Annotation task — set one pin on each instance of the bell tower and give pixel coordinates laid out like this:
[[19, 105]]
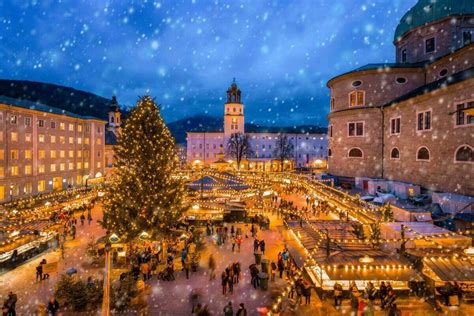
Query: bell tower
[[233, 111], [114, 124]]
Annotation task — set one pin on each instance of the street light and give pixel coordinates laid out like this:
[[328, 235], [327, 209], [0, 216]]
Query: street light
[[106, 299]]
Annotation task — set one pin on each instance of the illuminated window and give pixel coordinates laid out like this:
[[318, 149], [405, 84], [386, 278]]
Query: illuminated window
[[28, 170], [2, 192], [86, 165], [62, 166], [71, 166], [79, 140], [53, 167], [86, 140], [28, 154], [28, 188], [52, 153], [28, 137], [62, 126], [78, 179], [99, 165], [41, 154], [71, 127], [79, 128], [357, 98], [62, 153], [14, 170], [79, 154], [14, 190], [2, 154], [53, 139], [14, 154], [2, 172], [14, 136], [99, 141], [71, 154], [41, 168], [41, 186], [79, 165], [41, 138], [462, 118], [71, 140]]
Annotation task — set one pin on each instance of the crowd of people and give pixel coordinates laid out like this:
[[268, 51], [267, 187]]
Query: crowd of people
[[364, 301]]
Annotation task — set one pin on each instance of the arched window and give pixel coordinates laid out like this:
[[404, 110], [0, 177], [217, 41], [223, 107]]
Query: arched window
[[357, 98], [423, 154], [465, 153], [355, 153], [395, 153], [329, 152]]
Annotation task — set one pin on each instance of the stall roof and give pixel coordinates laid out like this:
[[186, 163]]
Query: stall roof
[[374, 275], [451, 269], [215, 182], [421, 228]]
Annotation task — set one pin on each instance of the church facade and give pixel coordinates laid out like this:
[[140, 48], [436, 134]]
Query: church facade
[[206, 147], [411, 121]]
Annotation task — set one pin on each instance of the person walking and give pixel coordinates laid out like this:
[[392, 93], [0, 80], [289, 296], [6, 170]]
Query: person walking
[[39, 272], [184, 254], [53, 306], [337, 295], [230, 281], [228, 311], [262, 246], [255, 245], [9, 305], [212, 267], [389, 300], [241, 311], [274, 268], [144, 269], [239, 242], [187, 263], [224, 282], [383, 292], [281, 267], [233, 242], [236, 268], [83, 219], [89, 218], [73, 232]]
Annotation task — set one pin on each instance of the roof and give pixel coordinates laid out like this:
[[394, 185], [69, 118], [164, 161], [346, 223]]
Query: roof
[[25, 104], [451, 269], [380, 67], [388, 65], [217, 183], [446, 81], [110, 138], [428, 11]]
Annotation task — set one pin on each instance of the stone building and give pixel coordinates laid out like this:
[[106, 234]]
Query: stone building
[[411, 121], [45, 149], [207, 147]]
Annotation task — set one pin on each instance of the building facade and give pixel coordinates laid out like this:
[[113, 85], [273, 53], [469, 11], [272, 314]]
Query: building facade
[[205, 148], [45, 149], [411, 121], [112, 132]]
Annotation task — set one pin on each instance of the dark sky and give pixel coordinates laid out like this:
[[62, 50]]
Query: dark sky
[[186, 52]]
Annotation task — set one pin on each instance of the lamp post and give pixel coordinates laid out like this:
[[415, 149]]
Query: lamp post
[[108, 267]]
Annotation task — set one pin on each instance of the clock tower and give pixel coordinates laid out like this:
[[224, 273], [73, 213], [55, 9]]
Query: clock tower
[[233, 112]]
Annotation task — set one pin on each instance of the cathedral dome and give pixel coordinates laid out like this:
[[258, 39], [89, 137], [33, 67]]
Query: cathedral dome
[[428, 11]]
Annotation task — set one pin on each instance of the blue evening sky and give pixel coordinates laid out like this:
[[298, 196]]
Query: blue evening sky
[[186, 52]]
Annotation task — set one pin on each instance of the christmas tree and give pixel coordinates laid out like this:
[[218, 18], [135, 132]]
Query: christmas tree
[[144, 196]]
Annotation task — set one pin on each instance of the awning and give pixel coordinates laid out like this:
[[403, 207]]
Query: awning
[[451, 269]]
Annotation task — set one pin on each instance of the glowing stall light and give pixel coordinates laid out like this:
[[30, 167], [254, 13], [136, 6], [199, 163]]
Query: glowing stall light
[[469, 251], [196, 207], [267, 193], [366, 259]]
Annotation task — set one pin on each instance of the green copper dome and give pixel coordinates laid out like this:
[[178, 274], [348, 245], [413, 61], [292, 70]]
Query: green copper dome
[[427, 11]]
